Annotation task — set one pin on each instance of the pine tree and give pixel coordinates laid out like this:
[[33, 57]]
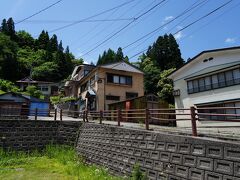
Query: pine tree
[[11, 28], [119, 55], [165, 53], [43, 40], [60, 47], [4, 27], [53, 43]]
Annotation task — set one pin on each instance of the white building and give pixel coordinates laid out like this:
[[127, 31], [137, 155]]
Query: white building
[[211, 78]]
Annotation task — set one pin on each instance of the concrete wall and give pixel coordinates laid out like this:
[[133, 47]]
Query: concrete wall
[[161, 156], [29, 135]]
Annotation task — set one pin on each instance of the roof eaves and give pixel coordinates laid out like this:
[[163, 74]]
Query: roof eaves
[[203, 52]]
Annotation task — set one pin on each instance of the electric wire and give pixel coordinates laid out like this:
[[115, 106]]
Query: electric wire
[[193, 6], [124, 27], [190, 24], [42, 10], [95, 15]]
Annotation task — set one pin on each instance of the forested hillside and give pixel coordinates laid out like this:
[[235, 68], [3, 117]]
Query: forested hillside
[[44, 57]]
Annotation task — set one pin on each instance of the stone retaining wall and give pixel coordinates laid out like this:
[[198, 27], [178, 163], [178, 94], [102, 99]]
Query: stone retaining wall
[[29, 134], [161, 156]]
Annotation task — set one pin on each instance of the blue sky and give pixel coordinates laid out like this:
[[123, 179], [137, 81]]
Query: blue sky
[[219, 30]]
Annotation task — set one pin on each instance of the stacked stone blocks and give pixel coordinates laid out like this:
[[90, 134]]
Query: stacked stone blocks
[[27, 135], [161, 156]]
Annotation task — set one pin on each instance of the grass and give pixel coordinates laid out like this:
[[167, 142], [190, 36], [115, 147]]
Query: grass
[[54, 163]]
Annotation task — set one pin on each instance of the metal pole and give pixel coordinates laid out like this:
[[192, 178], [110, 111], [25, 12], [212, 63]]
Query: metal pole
[[60, 114], [86, 115], [101, 116], [36, 113], [147, 119], [55, 114], [119, 117], [84, 112], [193, 119]]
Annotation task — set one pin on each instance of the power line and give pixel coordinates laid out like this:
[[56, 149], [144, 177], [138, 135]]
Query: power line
[[44, 9], [112, 32], [83, 21], [102, 29], [208, 14], [231, 8], [187, 26], [193, 6], [144, 40], [98, 14], [124, 27]]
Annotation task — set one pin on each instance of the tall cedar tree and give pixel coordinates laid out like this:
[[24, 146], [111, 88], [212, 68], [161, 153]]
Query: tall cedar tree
[[110, 57], [165, 53]]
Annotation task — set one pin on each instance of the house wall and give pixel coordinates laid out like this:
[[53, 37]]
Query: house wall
[[112, 89], [197, 67]]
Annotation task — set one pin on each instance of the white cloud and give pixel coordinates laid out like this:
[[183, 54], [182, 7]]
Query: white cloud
[[179, 35], [167, 18], [230, 40]]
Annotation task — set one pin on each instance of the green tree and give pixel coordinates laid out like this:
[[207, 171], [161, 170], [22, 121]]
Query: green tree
[[33, 91], [48, 71], [53, 43], [11, 29], [4, 26], [43, 40], [8, 86], [165, 86], [165, 53], [24, 39], [119, 55], [151, 76], [8, 58]]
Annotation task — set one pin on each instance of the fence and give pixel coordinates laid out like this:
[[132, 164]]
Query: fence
[[144, 116]]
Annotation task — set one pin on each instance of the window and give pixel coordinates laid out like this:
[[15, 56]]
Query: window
[[220, 111], [195, 86], [215, 81], [112, 98], [236, 76], [130, 95], [116, 79], [119, 79], [208, 83], [229, 77], [43, 88], [201, 84], [84, 87], [221, 80], [190, 87], [218, 80]]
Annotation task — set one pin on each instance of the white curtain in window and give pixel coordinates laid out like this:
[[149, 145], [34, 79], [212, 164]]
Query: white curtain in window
[[116, 79], [122, 80]]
